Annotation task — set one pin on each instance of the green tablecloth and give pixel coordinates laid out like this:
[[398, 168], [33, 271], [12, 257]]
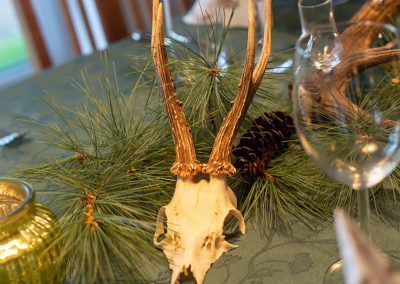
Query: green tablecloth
[[302, 257]]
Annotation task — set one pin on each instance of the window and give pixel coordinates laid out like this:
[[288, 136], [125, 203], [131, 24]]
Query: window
[[14, 58]]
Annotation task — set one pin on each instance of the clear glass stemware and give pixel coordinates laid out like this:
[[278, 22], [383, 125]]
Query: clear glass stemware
[[347, 104]]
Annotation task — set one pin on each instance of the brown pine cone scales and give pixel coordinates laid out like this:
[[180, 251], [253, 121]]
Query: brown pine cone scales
[[262, 142]]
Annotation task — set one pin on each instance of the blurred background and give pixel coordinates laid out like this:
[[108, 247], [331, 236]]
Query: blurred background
[[39, 34], [36, 35]]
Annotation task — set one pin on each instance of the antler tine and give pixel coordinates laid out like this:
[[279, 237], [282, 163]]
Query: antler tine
[[185, 163], [259, 70], [219, 162], [154, 24]]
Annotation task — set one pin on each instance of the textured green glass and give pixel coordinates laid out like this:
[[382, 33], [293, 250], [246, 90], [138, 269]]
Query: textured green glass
[[28, 232]]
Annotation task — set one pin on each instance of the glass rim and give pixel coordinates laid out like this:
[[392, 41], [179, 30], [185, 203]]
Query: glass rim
[[387, 26], [29, 195], [308, 6]]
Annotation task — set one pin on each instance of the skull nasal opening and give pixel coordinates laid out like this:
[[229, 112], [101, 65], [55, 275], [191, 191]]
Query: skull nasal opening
[[186, 275]]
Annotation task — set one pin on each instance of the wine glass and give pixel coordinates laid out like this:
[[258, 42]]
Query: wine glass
[[346, 106]]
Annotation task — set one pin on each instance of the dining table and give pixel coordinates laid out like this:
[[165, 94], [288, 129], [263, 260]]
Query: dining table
[[300, 256]]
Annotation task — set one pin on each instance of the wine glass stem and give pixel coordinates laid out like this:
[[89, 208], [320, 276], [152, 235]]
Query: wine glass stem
[[363, 210]]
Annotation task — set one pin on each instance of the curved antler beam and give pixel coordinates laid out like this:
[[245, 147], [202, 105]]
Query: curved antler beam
[[374, 11], [186, 163]]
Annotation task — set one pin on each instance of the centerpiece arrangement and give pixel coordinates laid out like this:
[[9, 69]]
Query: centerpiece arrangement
[[107, 192]]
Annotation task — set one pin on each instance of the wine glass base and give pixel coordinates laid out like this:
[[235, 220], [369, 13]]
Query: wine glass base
[[334, 274]]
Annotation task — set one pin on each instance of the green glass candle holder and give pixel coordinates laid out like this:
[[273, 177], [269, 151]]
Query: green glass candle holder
[[30, 240]]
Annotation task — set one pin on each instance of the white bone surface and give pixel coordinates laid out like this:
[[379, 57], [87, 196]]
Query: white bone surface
[[195, 220]]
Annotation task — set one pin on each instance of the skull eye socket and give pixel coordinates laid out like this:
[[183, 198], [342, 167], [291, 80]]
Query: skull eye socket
[[161, 226], [232, 221]]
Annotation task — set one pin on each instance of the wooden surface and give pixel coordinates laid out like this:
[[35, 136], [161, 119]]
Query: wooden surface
[[187, 4], [137, 14], [112, 19], [33, 35]]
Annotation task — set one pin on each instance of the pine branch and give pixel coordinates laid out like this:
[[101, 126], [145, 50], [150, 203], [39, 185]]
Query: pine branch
[[108, 191], [289, 191]]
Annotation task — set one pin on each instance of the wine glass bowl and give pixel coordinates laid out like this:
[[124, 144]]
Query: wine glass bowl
[[347, 103]]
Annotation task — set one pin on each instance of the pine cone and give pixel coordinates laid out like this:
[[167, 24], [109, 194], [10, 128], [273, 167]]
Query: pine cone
[[261, 143]]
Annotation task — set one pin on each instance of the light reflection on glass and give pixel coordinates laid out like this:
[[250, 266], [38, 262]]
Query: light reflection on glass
[[11, 249], [393, 142], [357, 181], [370, 148]]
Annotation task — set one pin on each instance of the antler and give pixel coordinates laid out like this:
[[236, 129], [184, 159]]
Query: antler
[[219, 162], [185, 163]]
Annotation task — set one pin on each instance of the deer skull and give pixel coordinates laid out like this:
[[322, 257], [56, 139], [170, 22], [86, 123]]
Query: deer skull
[[195, 220], [197, 212]]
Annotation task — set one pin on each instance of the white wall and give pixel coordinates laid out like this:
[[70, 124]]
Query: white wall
[[54, 30]]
